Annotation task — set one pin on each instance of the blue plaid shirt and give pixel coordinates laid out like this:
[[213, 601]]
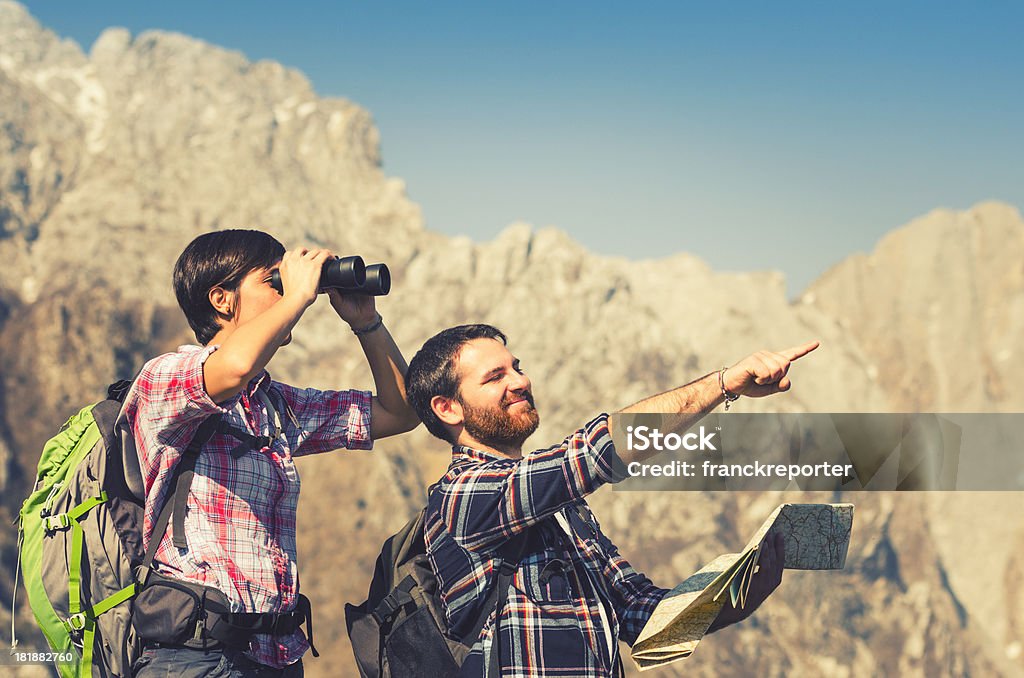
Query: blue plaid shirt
[[566, 588]]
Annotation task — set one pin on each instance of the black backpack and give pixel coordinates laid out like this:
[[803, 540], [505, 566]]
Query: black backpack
[[399, 630]]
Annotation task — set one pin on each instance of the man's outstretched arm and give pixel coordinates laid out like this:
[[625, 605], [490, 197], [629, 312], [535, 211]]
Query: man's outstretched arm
[[758, 375]]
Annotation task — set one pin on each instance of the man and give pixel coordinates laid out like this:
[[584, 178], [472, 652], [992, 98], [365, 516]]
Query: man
[[572, 596], [236, 546]]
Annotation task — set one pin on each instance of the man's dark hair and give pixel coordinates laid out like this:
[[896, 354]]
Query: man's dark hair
[[432, 371], [220, 258]]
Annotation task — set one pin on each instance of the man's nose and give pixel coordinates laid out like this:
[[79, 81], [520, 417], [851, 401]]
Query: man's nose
[[519, 382]]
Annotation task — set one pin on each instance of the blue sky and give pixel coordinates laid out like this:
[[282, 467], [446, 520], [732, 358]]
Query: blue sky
[[754, 135]]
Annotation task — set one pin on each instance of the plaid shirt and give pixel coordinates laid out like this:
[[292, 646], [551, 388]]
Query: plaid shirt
[[241, 510], [552, 622]]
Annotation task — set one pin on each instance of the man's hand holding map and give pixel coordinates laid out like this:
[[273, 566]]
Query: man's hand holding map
[[815, 537]]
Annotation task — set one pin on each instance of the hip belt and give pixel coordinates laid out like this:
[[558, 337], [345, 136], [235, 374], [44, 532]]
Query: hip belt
[[173, 612]]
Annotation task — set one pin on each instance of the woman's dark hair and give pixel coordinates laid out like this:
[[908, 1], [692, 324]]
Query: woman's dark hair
[[220, 258], [432, 371]]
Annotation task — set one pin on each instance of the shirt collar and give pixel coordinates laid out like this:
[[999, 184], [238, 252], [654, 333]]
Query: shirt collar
[[460, 451]]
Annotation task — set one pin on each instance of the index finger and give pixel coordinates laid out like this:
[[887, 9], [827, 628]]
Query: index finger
[[800, 351]]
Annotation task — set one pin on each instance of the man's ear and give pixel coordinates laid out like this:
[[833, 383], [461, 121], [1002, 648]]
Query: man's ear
[[448, 410], [223, 301]]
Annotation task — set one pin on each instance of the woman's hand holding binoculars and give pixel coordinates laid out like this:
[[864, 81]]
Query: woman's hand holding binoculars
[[358, 310], [298, 274], [347, 281], [348, 274]]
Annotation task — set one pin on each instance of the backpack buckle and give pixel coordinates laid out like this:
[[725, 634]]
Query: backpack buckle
[[75, 622], [390, 604], [60, 521]]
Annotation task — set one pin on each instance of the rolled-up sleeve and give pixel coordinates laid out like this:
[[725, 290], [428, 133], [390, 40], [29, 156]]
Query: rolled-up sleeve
[[330, 420], [166, 404], [485, 504]]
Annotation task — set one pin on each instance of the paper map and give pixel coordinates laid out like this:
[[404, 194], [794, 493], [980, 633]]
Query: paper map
[[817, 537]]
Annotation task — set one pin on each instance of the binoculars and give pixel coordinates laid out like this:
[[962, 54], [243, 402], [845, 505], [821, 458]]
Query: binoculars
[[350, 275]]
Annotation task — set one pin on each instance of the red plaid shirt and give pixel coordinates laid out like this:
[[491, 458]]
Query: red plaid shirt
[[241, 510]]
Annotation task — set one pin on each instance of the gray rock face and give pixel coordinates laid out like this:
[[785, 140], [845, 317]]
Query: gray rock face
[[940, 304], [170, 137], [938, 307], [114, 160]]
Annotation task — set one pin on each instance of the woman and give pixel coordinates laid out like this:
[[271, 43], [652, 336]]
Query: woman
[[237, 545]]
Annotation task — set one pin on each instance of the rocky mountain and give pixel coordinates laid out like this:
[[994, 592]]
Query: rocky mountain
[[945, 290], [112, 161], [938, 307]]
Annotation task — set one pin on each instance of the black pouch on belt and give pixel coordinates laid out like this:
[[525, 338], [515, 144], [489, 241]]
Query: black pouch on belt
[[173, 612]]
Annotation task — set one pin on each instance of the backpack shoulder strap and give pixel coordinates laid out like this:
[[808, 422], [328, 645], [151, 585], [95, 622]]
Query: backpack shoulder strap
[[257, 442], [105, 412], [274, 412], [181, 481], [279, 403], [579, 524], [499, 594], [387, 593], [496, 603]]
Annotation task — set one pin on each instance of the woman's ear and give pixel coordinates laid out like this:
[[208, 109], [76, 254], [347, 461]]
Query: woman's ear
[[223, 302]]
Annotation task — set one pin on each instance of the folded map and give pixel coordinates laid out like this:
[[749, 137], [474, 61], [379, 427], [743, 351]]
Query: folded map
[[817, 537]]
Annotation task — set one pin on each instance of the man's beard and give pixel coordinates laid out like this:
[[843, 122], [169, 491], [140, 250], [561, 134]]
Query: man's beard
[[498, 427]]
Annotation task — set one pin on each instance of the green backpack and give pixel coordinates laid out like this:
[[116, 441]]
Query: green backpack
[[80, 541]]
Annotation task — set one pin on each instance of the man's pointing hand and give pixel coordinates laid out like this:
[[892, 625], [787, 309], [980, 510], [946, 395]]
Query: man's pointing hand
[[765, 372]]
